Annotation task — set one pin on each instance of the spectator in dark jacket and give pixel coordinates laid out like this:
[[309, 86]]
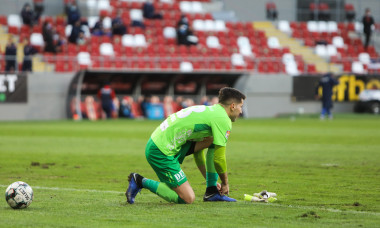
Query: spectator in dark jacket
[[368, 21], [77, 29], [149, 11], [73, 13], [29, 50], [98, 29], [48, 35], [327, 83], [10, 56], [118, 27], [38, 8], [27, 15]]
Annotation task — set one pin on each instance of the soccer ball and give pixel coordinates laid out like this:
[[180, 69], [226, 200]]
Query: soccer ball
[[19, 195]]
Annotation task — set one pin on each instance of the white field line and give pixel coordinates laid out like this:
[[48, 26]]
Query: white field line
[[256, 204]]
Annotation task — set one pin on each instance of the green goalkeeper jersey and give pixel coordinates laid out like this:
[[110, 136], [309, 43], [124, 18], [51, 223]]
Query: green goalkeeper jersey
[[192, 124]]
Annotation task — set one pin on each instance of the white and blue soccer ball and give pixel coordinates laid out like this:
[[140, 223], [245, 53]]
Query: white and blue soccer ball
[[19, 195]]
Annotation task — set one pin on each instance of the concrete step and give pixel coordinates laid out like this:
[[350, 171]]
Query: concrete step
[[296, 47]]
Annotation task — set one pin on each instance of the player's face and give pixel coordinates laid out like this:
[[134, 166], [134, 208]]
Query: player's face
[[236, 110]]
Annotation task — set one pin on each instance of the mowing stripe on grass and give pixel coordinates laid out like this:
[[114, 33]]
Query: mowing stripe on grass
[[261, 204]]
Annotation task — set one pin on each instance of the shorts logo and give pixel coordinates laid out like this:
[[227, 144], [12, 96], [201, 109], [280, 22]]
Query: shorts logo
[[228, 134], [179, 176]]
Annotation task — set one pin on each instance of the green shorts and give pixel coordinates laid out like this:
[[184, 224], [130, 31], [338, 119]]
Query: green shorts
[[168, 168]]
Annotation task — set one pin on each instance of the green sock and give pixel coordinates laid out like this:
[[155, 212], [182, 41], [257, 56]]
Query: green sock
[[162, 190], [211, 174]]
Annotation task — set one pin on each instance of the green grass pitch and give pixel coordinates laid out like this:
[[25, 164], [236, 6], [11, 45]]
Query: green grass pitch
[[326, 174]]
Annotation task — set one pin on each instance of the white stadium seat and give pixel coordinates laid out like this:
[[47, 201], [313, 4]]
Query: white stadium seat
[[107, 23], [14, 20], [170, 32], [273, 42], [312, 26], [338, 41], [186, 67], [284, 26], [212, 42], [84, 58], [237, 59], [36, 39], [106, 49], [357, 67], [140, 40], [364, 58]]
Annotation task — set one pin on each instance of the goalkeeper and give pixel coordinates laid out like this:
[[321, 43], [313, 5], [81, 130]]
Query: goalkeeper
[[193, 130]]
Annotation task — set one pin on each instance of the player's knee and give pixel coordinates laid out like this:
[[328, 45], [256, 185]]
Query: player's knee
[[189, 199]]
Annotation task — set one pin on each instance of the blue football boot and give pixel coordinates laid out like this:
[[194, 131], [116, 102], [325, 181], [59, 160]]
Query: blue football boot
[[217, 197], [133, 188]]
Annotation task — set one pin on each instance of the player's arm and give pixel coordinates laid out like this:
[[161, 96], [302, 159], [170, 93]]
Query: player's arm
[[200, 160], [220, 164]]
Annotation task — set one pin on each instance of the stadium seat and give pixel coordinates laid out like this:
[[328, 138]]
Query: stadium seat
[[237, 59], [169, 33], [91, 20], [338, 42], [331, 50], [107, 23], [36, 39], [212, 42], [292, 69], [186, 67], [220, 25], [322, 26], [140, 40], [136, 15], [84, 59], [14, 20], [357, 68], [284, 27], [312, 26], [106, 49], [332, 26], [288, 58], [321, 50], [128, 40], [68, 30], [103, 5], [199, 25], [364, 58], [273, 42]]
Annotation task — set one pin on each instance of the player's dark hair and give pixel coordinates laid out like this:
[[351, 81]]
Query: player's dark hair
[[227, 95]]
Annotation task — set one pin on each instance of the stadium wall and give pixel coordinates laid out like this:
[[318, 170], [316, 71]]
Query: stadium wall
[[46, 98], [271, 95], [267, 96]]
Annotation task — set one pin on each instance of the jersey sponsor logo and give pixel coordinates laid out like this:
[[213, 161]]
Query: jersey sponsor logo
[[180, 176], [227, 134]]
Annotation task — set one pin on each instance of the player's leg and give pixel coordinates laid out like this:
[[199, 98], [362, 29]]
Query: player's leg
[[212, 192], [170, 174]]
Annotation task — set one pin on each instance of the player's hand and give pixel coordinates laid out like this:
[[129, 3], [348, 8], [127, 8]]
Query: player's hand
[[218, 186], [225, 189]]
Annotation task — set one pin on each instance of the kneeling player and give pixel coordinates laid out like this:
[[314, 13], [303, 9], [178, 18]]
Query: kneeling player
[[191, 130]]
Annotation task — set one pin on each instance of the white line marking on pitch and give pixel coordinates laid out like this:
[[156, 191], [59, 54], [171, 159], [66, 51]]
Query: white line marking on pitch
[[261, 204]]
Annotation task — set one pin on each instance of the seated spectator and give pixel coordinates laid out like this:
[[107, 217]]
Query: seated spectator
[[10, 56], [73, 13], [125, 109], [118, 27], [27, 15], [76, 30], [38, 8], [81, 40], [98, 29], [60, 42], [183, 21], [29, 50], [185, 35], [48, 34], [149, 11]]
